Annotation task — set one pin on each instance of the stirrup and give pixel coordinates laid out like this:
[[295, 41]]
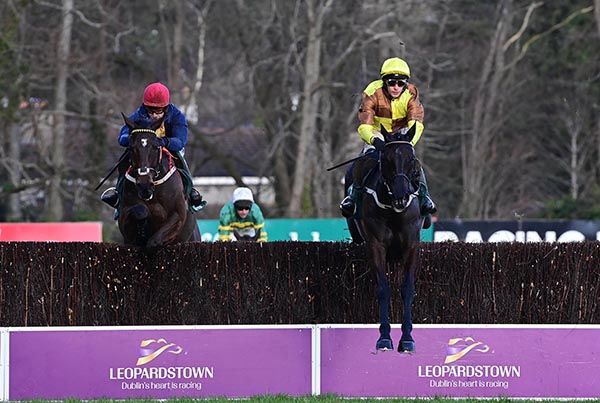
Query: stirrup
[[110, 197], [198, 207]]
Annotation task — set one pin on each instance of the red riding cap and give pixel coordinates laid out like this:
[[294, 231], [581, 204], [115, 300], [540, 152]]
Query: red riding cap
[[156, 95]]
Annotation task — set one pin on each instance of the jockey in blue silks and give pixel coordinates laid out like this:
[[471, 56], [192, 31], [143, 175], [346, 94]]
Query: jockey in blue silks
[[173, 133]]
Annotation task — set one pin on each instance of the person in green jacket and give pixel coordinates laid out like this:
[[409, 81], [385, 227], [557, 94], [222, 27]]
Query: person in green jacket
[[241, 219]]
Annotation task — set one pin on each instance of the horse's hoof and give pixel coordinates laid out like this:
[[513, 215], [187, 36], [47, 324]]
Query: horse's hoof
[[384, 345], [406, 346]]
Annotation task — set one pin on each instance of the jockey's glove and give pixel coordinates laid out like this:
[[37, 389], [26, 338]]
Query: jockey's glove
[[378, 144], [164, 142]]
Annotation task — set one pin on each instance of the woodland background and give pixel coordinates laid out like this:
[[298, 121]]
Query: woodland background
[[511, 91]]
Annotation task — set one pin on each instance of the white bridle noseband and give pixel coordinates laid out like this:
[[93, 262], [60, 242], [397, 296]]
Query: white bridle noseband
[[146, 170]]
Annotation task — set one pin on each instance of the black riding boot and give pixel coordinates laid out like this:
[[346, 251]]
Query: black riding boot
[[359, 170], [112, 195], [427, 205], [196, 202]]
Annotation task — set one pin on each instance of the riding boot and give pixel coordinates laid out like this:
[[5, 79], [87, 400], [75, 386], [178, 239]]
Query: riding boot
[[359, 170], [196, 202], [348, 205], [112, 195], [427, 205]]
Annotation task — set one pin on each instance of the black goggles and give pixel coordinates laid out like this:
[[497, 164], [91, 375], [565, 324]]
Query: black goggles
[[392, 82]]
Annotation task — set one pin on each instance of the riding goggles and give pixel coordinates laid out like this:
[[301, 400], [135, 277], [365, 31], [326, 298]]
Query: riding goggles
[[393, 82], [155, 111]]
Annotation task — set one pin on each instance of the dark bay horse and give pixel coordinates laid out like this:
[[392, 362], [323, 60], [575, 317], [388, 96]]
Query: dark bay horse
[[154, 208], [388, 219]]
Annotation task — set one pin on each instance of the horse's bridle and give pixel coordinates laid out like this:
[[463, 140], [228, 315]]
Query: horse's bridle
[[151, 170], [385, 182]]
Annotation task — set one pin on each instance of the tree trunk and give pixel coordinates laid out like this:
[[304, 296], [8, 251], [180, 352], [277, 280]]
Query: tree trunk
[[14, 157], [310, 105], [574, 171], [478, 158], [175, 64], [597, 15], [55, 208], [191, 101], [597, 128]]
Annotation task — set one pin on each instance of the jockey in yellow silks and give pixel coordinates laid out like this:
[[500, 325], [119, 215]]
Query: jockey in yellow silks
[[391, 102]]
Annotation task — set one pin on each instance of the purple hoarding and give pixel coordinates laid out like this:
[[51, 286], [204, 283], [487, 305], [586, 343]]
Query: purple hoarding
[[467, 361], [159, 363]]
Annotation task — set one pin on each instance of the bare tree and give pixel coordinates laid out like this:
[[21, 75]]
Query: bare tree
[[310, 104], [597, 15], [190, 100], [54, 208], [493, 77]]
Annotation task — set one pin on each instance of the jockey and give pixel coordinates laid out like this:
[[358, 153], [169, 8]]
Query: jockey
[[394, 103], [173, 133], [243, 215]]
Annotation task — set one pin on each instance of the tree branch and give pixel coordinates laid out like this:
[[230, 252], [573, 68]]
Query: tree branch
[[539, 36], [521, 30]]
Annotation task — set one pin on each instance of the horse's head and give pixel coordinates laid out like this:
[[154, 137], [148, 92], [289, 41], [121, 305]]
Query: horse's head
[[145, 152], [400, 168]]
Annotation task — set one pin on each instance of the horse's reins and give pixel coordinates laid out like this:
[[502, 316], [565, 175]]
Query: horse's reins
[[146, 171], [121, 159], [387, 186], [389, 190], [345, 162], [341, 164]]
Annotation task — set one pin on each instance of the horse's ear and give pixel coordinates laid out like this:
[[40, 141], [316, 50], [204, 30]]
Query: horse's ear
[[386, 134], [128, 121], [383, 131]]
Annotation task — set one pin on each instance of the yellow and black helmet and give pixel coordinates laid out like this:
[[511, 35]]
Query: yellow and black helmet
[[395, 68]]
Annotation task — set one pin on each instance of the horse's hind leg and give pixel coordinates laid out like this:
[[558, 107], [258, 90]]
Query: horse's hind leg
[[383, 297], [407, 343]]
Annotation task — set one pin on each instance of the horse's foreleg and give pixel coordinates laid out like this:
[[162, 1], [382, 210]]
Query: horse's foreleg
[[167, 233], [383, 297], [407, 344], [133, 224]]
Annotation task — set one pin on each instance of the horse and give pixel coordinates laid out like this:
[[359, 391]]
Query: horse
[[154, 207], [389, 221]]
